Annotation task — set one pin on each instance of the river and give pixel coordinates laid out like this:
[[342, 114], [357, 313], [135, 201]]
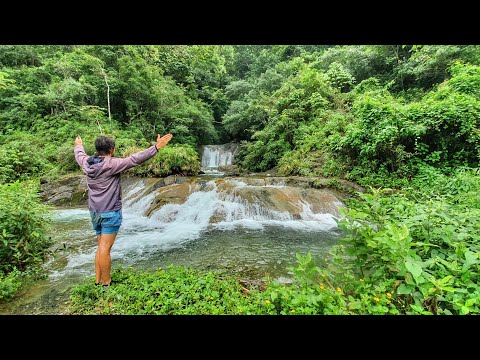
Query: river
[[246, 229], [245, 242]]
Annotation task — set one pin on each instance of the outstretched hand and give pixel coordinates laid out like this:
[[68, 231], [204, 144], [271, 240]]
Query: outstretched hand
[[162, 141], [78, 140]]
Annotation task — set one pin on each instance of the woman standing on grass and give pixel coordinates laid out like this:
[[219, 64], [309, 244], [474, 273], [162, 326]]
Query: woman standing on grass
[[105, 193]]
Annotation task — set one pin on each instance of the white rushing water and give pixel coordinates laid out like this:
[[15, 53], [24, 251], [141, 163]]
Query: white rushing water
[[214, 156], [174, 225]]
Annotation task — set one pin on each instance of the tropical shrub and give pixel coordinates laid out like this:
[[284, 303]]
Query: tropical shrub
[[23, 225], [172, 159]]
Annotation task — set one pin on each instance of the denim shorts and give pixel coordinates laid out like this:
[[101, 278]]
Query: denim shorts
[[106, 222]]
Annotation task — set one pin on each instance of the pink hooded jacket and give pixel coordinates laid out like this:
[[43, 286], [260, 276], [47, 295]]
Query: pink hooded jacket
[[103, 178]]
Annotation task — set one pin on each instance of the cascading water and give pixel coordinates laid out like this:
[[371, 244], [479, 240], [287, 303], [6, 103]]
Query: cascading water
[[214, 156], [222, 224]]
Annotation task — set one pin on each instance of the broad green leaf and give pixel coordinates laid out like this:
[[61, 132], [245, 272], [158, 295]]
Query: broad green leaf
[[409, 279], [404, 289], [417, 308], [450, 289], [464, 310], [414, 268], [354, 305], [470, 258], [470, 302]]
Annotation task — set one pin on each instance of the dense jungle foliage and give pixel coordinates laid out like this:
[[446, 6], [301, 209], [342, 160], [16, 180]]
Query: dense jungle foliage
[[401, 120]]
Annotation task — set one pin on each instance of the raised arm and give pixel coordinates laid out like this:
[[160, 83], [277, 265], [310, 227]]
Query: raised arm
[[122, 164], [79, 152]]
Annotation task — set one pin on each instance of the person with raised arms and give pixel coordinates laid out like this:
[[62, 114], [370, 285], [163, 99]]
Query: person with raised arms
[[105, 193]]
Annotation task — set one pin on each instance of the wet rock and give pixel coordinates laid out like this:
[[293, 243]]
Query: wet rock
[[173, 194], [69, 190], [231, 170], [249, 284]]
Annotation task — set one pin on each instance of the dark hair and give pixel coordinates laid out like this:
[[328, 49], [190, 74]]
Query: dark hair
[[104, 145]]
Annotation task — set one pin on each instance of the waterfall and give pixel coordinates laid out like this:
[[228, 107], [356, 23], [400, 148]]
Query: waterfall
[[214, 156], [225, 204], [199, 208]]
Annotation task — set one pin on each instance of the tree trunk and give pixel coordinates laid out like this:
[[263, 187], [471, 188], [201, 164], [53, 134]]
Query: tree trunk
[[108, 94]]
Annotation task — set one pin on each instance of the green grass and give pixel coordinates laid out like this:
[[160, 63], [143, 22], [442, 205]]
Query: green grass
[[173, 290]]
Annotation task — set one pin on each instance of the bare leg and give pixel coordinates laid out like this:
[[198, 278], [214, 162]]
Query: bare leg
[[97, 266], [104, 258]]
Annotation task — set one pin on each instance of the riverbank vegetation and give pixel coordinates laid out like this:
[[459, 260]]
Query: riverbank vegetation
[[400, 120], [412, 252]]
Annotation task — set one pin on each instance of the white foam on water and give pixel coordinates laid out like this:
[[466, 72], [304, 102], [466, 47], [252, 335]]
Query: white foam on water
[[70, 214], [308, 214], [136, 203], [237, 183], [78, 263], [170, 226], [328, 223], [131, 192], [276, 186], [245, 223]]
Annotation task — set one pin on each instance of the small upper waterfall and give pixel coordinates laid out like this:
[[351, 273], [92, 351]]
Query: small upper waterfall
[[214, 156]]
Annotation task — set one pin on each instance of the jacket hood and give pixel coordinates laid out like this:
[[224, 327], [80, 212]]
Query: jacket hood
[[95, 164]]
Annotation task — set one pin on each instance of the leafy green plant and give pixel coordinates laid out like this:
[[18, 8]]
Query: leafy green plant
[[172, 159], [21, 158], [419, 242], [173, 290], [9, 284], [23, 224]]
